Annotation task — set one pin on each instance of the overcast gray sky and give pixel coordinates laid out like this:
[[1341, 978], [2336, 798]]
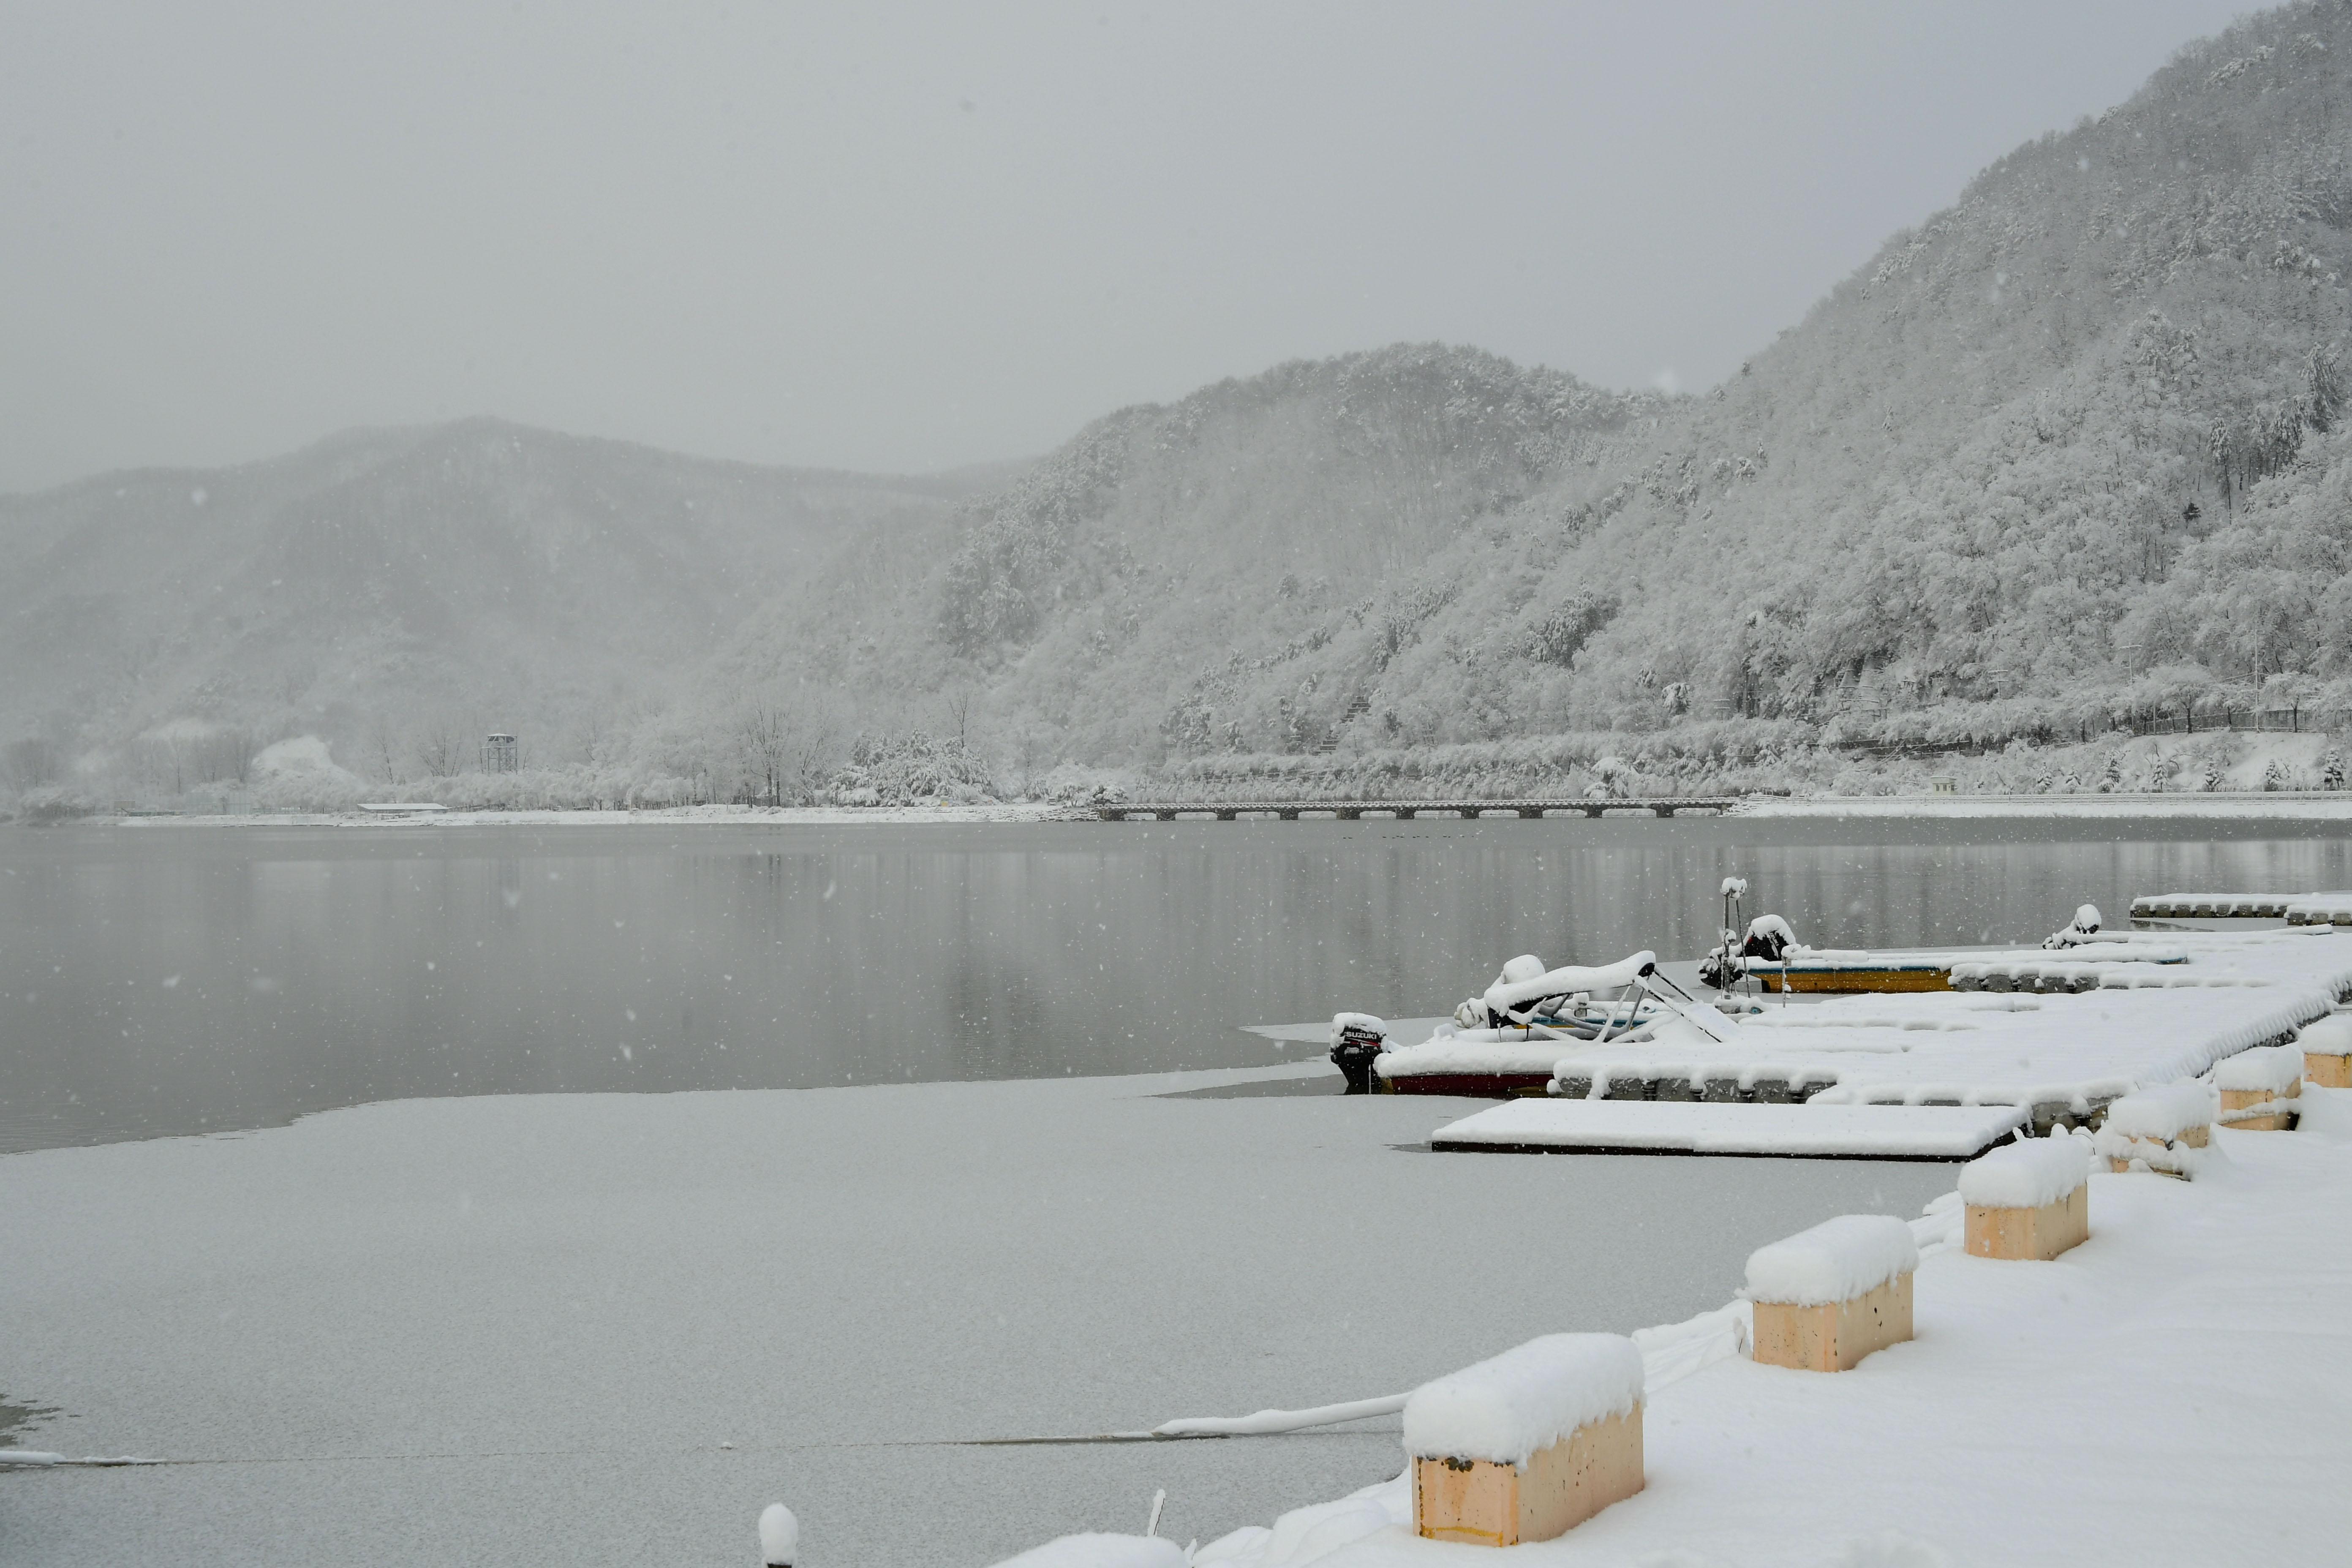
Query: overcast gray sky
[[906, 237]]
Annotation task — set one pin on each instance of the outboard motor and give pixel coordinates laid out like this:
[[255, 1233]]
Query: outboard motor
[[1356, 1039], [1527, 966], [1474, 1013], [2087, 921]]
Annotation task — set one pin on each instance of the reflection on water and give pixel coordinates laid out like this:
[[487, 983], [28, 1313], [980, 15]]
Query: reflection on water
[[170, 980]]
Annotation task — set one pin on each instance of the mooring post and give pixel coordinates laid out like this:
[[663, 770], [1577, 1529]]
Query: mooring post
[[779, 1537]]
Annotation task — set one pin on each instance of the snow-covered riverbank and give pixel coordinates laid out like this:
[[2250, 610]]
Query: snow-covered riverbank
[[615, 1327], [2240, 807], [681, 816], [2163, 1393]]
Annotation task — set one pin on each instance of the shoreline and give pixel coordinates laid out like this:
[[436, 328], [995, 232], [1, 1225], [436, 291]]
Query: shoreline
[[667, 817], [2218, 806], [2245, 806]]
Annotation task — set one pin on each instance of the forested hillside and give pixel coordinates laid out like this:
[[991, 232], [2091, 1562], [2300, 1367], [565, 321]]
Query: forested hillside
[[2071, 451], [2072, 446], [1227, 572]]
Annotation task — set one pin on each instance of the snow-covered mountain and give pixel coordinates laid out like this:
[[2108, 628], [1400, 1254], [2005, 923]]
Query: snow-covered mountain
[[382, 585], [2074, 443], [2072, 446]]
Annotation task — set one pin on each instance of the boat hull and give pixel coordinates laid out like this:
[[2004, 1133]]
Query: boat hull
[[1852, 980]]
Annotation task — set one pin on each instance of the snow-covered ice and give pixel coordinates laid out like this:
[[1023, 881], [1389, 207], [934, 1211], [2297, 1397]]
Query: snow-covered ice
[[1267, 1423], [1504, 1408], [1098, 1550], [452, 1331], [1836, 1260], [1318, 1032]]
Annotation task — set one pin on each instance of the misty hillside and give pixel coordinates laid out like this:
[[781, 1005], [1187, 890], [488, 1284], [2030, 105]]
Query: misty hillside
[[1177, 566], [385, 584], [2074, 444]]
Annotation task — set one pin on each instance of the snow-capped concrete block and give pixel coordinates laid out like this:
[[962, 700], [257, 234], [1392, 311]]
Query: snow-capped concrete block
[[1827, 1297], [1480, 1503], [2028, 1200], [2327, 1051], [1527, 1444], [2171, 1112], [2257, 1086], [2161, 1129]]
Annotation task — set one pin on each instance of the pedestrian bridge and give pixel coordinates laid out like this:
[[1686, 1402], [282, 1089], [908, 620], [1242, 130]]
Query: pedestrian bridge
[[1354, 810]]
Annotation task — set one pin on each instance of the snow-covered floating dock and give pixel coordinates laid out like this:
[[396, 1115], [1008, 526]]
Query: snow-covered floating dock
[[2055, 1058], [1799, 1131], [2295, 908]]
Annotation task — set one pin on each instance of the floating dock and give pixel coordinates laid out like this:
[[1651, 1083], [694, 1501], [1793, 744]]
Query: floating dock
[[1789, 1131], [2057, 1048], [2295, 908], [2211, 907]]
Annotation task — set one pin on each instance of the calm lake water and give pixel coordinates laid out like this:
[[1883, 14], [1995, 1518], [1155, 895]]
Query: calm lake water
[[165, 980]]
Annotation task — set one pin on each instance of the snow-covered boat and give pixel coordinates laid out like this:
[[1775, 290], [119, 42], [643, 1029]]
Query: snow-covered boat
[[1507, 1041], [1769, 957], [1770, 960]]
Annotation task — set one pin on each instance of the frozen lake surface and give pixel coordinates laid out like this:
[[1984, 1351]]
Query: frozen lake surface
[[502, 1330], [158, 979], [497, 1317]]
